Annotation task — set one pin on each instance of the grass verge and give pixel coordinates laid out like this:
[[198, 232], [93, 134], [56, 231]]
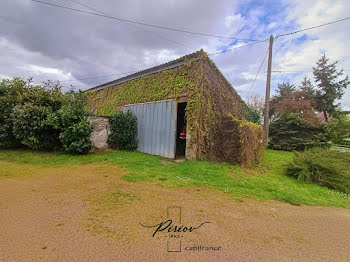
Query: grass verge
[[267, 182]]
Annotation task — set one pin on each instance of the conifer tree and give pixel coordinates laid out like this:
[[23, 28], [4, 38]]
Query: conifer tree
[[329, 87], [307, 88]]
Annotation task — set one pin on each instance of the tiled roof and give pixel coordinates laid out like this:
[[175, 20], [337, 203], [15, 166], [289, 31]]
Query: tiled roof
[[169, 65]]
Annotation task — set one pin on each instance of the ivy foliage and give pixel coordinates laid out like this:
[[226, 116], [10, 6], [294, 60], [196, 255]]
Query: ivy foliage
[[251, 137], [42, 117], [251, 141], [123, 131], [154, 87], [210, 98]]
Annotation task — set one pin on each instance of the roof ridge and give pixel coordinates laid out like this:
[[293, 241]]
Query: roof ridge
[[158, 68]]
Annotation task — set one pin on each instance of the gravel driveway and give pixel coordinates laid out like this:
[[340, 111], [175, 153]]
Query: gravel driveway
[[88, 213]]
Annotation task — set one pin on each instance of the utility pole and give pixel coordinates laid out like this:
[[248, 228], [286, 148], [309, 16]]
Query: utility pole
[[267, 96]]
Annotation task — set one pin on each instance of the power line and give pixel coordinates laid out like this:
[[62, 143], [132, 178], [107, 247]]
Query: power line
[[313, 27], [140, 28], [235, 48], [189, 32], [130, 72], [142, 23], [257, 74]]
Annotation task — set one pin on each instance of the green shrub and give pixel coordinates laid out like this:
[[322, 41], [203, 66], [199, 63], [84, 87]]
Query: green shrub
[[123, 131], [30, 126], [26, 113], [291, 132], [344, 143], [76, 129], [322, 167], [10, 91], [43, 117], [338, 128], [76, 138], [73, 109]]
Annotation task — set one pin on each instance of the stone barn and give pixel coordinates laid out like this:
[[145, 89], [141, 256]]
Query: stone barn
[[191, 94]]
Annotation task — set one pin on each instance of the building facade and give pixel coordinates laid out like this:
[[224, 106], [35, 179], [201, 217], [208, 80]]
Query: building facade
[[188, 94]]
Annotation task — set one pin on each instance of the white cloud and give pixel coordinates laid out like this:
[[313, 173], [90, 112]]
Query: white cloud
[[36, 69], [272, 25], [233, 20], [49, 43], [159, 57], [331, 39]]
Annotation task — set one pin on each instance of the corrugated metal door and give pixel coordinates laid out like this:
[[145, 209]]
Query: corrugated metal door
[[156, 127]]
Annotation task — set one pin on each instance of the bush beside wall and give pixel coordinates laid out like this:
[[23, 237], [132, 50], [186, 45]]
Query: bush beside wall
[[76, 138], [123, 131], [75, 127]]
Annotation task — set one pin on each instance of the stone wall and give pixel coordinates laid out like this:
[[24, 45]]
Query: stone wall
[[100, 132]]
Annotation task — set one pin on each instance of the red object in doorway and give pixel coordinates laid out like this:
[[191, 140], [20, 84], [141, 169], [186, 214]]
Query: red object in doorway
[[183, 133]]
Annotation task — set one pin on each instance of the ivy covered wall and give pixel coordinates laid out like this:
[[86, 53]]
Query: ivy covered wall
[[166, 84], [214, 101], [210, 99]]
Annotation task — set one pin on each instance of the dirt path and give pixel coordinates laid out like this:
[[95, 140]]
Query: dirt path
[[88, 213]]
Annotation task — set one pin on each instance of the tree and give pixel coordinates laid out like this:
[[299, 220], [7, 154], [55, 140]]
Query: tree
[[329, 87], [338, 128], [296, 102], [308, 89], [256, 102], [291, 132], [284, 89], [288, 99], [252, 115], [255, 109]]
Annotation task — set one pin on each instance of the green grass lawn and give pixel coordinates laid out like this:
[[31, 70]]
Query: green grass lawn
[[266, 182]]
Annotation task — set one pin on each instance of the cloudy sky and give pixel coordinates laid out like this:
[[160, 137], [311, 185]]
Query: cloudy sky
[[83, 50]]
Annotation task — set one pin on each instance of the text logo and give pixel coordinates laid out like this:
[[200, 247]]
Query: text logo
[[173, 228]]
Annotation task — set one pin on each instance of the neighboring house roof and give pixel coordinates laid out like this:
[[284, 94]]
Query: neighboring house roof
[[169, 65]]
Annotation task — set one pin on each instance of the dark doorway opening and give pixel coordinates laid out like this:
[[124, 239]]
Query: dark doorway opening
[[181, 130]]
